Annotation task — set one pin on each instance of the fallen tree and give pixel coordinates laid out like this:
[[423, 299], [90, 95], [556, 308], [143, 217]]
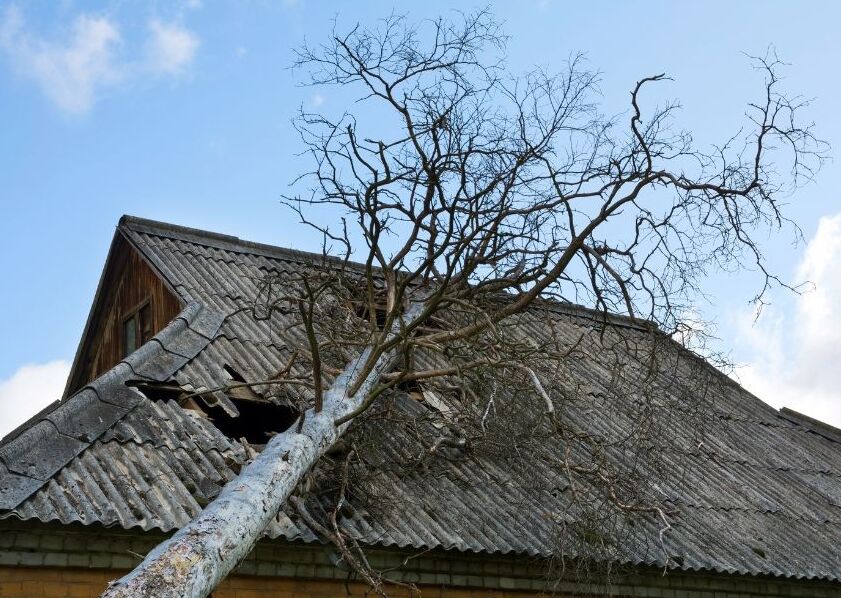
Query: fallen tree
[[471, 196], [199, 555]]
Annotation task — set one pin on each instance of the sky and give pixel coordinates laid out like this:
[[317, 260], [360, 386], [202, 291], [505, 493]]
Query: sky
[[181, 112]]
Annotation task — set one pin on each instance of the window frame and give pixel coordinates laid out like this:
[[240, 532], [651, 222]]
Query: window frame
[[134, 314]]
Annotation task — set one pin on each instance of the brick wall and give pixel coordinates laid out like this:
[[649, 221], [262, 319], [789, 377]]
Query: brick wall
[[58, 582], [47, 582], [70, 561]]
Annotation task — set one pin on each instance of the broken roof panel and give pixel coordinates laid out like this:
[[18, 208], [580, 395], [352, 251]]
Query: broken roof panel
[[758, 494]]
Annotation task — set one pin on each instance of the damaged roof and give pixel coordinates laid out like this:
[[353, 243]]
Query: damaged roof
[[761, 495]]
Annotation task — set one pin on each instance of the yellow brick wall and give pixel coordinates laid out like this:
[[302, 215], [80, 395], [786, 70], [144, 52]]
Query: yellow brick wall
[[44, 582]]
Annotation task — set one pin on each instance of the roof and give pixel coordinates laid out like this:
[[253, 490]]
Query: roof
[[759, 494]]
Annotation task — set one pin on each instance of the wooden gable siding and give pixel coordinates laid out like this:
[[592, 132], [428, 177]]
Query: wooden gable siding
[[129, 284]]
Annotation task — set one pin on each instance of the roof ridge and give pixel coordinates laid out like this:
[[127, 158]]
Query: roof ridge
[[223, 241], [810, 424], [236, 244]]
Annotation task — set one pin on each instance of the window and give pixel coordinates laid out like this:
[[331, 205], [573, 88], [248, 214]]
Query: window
[[137, 328]]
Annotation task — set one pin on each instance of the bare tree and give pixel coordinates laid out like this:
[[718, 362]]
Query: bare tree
[[462, 203]]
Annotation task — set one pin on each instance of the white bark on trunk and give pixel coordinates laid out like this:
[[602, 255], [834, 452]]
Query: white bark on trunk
[[202, 553]]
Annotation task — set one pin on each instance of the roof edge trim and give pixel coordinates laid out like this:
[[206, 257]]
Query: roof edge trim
[[108, 397]]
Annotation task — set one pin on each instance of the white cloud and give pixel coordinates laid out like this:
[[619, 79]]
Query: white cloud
[[170, 48], [796, 356], [317, 100], [74, 69], [29, 390]]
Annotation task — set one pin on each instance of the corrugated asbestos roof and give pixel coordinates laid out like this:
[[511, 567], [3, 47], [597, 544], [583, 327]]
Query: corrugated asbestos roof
[[760, 495]]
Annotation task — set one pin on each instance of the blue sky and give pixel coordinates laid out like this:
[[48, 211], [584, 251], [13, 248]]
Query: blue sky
[[180, 111]]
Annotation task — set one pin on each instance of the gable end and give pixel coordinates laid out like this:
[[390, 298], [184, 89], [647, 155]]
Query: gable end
[[131, 296]]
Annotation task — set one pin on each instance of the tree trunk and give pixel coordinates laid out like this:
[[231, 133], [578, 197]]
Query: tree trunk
[[199, 556]]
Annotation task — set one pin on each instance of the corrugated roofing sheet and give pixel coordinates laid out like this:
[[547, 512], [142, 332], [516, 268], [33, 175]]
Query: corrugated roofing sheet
[[756, 493]]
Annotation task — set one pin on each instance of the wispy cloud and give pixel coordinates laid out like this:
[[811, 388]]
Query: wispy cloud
[[795, 356], [29, 390], [170, 48], [74, 69], [70, 72]]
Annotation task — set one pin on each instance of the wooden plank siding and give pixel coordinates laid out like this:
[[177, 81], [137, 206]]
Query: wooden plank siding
[[129, 283]]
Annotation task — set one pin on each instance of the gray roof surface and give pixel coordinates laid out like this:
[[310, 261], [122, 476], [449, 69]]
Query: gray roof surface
[[760, 495]]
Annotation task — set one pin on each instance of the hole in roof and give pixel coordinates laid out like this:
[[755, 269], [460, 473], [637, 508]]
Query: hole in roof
[[257, 421], [157, 391], [254, 418], [239, 387], [411, 388], [363, 312], [233, 374]]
